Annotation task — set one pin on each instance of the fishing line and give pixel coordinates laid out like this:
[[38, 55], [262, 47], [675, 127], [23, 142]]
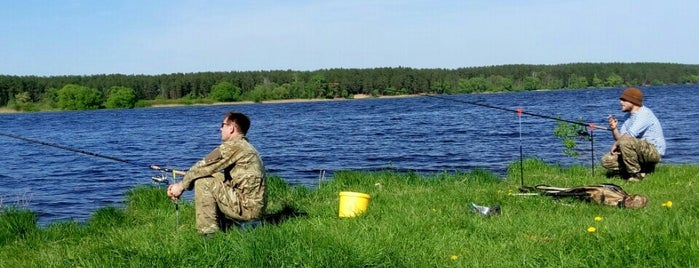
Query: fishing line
[[518, 111], [82, 151], [160, 179]]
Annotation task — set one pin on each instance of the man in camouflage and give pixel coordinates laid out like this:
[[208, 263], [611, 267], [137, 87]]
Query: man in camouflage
[[229, 183], [639, 143]]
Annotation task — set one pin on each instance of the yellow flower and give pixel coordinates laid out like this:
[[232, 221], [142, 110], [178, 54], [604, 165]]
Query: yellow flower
[[591, 229], [454, 257], [598, 218], [509, 192], [667, 204]]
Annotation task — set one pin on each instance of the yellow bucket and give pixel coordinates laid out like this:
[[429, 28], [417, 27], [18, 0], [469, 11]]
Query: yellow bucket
[[353, 204]]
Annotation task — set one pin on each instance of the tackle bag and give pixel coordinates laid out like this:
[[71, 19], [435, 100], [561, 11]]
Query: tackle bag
[[605, 194]]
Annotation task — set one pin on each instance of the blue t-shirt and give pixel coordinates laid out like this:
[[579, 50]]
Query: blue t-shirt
[[644, 125]]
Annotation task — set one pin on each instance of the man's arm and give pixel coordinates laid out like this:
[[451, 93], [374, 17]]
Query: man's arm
[[211, 164], [613, 125]]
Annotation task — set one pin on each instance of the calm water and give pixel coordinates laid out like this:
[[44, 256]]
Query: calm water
[[297, 140]]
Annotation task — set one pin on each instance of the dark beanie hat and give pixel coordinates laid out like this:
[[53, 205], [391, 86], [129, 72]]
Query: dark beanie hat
[[632, 95]]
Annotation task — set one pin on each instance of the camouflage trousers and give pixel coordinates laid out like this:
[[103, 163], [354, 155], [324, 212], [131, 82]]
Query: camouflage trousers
[[217, 205], [635, 155]]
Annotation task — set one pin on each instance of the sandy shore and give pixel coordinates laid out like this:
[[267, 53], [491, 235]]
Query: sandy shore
[[5, 110], [356, 97]]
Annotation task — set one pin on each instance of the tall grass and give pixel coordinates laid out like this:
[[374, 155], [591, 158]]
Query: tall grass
[[412, 221]]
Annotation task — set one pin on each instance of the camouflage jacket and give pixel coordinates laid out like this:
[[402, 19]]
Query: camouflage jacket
[[241, 166]]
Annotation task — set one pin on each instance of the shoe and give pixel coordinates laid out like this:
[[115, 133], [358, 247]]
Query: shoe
[[636, 177]]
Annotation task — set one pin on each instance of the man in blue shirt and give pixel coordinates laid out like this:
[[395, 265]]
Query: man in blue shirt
[[639, 143]]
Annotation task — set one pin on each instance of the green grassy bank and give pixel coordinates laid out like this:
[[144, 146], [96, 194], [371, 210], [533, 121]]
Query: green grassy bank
[[412, 221]]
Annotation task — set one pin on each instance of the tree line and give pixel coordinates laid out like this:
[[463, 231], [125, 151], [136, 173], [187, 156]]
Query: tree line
[[81, 92]]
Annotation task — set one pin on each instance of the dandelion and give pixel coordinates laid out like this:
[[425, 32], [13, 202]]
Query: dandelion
[[598, 218], [667, 204], [454, 257], [509, 192], [591, 229]]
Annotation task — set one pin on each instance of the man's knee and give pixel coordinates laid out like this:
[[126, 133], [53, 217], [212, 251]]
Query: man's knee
[[206, 184], [627, 142], [610, 161]]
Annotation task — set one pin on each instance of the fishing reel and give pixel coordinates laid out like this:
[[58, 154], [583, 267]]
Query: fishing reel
[[160, 178], [164, 178]]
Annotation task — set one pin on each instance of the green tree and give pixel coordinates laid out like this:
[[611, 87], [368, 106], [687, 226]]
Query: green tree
[[531, 83], [575, 81], [23, 97], [22, 102], [500, 83], [121, 97], [614, 80], [75, 97], [548, 81], [473, 84], [597, 82], [50, 97], [318, 86], [690, 79], [260, 93], [281, 92], [225, 91]]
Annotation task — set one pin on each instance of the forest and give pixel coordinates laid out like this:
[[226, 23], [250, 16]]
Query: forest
[[112, 91]]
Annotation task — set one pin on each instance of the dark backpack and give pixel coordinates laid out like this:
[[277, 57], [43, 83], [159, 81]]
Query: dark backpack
[[605, 194]]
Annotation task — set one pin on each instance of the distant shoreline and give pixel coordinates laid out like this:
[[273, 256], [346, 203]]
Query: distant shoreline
[[356, 97], [5, 110]]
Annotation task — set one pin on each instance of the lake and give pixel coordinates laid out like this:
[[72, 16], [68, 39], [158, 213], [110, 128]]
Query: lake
[[297, 140]]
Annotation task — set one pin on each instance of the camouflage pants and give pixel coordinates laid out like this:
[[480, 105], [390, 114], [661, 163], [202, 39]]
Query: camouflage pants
[[215, 202], [634, 156]]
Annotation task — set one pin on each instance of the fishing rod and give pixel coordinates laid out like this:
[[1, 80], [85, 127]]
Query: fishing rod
[[86, 152], [161, 178], [519, 111]]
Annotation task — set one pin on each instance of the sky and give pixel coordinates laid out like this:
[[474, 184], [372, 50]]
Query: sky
[[88, 37]]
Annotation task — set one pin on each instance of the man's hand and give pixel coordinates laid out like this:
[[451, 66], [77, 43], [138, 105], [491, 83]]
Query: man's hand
[[615, 149], [174, 191], [613, 123]]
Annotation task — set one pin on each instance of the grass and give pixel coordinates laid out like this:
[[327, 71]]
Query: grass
[[412, 221]]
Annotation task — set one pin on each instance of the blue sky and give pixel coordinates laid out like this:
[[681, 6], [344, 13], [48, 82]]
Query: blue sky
[[82, 37]]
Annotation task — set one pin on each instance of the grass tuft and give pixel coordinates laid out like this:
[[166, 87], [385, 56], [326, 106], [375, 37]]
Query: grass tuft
[[16, 224]]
